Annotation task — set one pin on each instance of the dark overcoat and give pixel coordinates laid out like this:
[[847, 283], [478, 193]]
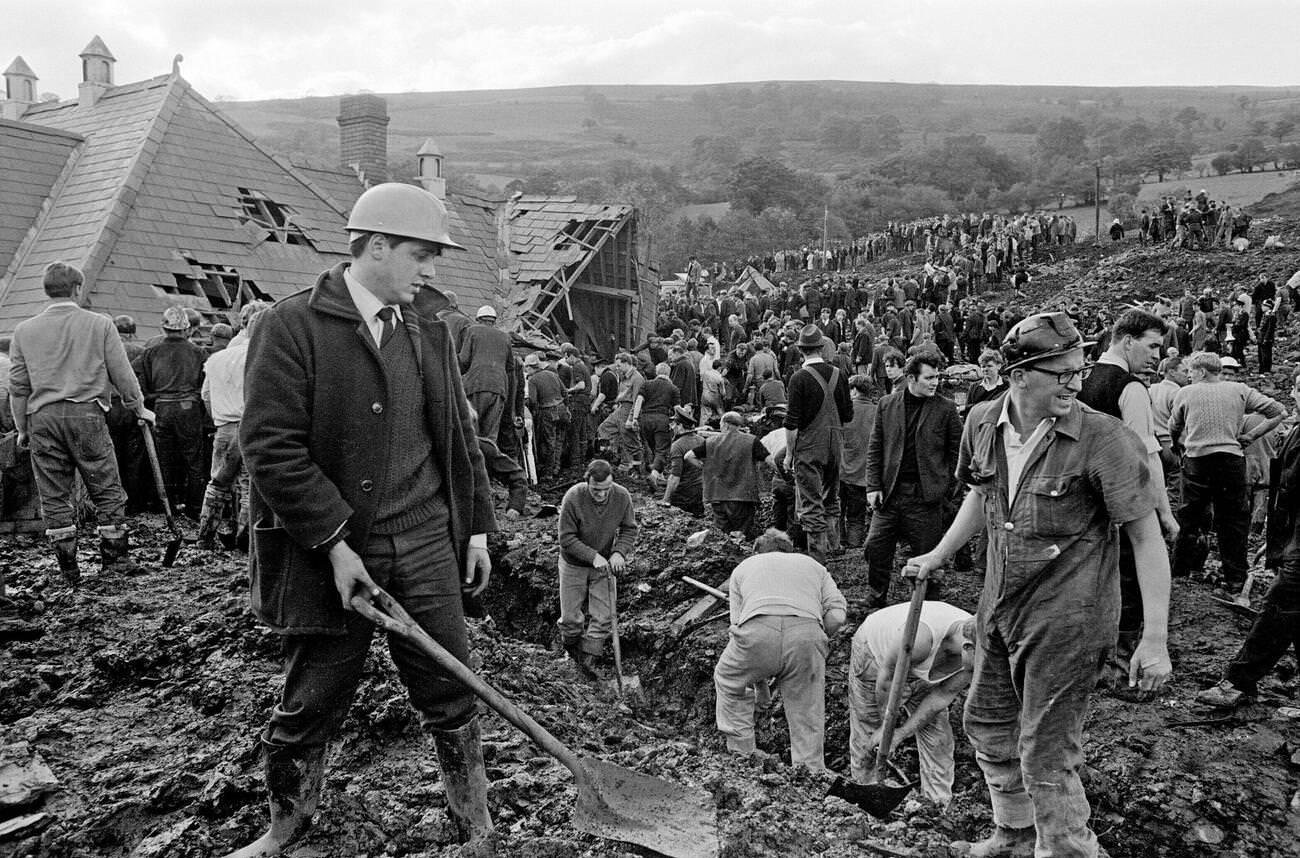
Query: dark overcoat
[[314, 439]]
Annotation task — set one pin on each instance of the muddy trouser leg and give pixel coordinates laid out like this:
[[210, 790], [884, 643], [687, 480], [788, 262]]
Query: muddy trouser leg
[[854, 501], [1231, 516], [934, 749], [1276, 628], [923, 524], [585, 606], [610, 430], [803, 689], [881, 545], [753, 654], [1024, 717], [864, 711], [68, 437], [579, 430], [488, 407], [1193, 517], [810, 495]]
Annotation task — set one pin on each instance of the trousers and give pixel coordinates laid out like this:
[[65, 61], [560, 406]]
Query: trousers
[[322, 672], [1275, 629], [791, 650], [1214, 494], [907, 517], [1024, 717], [586, 605], [68, 438], [180, 427]]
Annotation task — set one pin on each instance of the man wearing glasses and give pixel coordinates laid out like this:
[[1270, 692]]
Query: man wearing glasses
[[1050, 479]]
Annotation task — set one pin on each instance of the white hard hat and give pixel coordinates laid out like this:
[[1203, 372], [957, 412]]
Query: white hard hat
[[486, 310], [394, 208]]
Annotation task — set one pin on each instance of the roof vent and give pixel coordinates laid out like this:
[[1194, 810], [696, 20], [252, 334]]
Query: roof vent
[[96, 72], [428, 169], [20, 89]]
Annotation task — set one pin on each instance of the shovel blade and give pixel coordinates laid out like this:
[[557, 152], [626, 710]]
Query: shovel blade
[[620, 804], [172, 552], [879, 800]]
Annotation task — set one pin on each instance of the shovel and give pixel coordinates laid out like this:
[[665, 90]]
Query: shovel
[[613, 802], [173, 546], [623, 684], [876, 798]]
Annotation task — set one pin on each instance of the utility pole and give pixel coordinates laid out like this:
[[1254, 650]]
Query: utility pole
[[826, 220], [1096, 208]]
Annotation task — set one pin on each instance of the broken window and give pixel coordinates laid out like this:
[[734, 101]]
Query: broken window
[[259, 210], [215, 287]]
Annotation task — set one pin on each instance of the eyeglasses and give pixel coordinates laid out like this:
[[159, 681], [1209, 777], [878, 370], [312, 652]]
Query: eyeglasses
[[1064, 377]]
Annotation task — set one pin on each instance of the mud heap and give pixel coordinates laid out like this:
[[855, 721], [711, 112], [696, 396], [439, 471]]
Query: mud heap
[[132, 722]]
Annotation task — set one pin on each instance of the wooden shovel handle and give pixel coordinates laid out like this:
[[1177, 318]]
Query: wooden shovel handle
[[901, 667], [384, 611], [151, 450]]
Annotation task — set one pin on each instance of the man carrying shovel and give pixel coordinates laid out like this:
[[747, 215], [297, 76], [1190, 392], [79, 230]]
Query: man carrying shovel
[[597, 531], [1052, 481], [365, 472]]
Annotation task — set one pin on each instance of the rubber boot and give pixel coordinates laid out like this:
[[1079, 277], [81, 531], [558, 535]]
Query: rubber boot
[[114, 549], [818, 545], [580, 659], [214, 506], [460, 756], [64, 540], [293, 785], [1002, 843]]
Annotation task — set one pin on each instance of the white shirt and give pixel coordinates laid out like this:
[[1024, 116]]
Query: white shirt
[[368, 306], [1135, 408], [1017, 448], [223, 381]]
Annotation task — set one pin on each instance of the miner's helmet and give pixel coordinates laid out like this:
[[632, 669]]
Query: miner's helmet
[[404, 211], [1039, 337]]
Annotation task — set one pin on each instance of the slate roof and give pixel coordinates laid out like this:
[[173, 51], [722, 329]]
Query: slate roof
[[537, 225], [34, 158], [153, 195]]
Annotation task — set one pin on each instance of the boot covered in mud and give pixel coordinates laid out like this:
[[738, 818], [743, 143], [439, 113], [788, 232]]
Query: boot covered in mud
[[460, 756], [1002, 843], [293, 784], [64, 540], [215, 501], [834, 539], [115, 549], [818, 545]]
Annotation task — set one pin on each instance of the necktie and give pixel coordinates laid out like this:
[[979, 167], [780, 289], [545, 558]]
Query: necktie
[[385, 315]]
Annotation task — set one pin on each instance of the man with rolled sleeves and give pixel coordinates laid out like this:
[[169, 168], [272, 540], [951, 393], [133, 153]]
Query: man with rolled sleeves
[[366, 473], [1053, 482]]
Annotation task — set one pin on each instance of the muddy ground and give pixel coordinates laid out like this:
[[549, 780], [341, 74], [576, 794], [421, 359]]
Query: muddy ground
[[145, 694]]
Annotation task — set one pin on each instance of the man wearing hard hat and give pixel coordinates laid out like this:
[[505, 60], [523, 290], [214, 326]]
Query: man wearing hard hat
[[365, 471], [484, 357]]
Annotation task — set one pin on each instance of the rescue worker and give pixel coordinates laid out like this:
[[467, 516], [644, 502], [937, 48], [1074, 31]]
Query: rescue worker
[[64, 364], [1051, 481], [853, 462], [617, 434], [575, 376], [124, 428], [457, 322], [730, 475], [685, 486], [223, 396], [817, 409], [911, 460], [545, 400], [597, 532], [484, 360], [653, 407], [171, 376], [784, 607], [360, 482], [940, 667], [1114, 388]]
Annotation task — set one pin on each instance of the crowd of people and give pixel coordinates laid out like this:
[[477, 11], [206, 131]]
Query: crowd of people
[[1193, 223], [1077, 460]]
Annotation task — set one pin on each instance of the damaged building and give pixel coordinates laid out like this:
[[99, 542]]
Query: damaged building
[[163, 200]]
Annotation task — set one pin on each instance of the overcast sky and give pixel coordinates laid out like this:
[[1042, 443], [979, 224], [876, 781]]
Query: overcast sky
[[249, 49]]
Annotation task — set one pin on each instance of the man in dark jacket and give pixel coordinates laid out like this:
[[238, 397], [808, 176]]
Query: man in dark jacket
[[365, 470], [484, 359], [911, 460]]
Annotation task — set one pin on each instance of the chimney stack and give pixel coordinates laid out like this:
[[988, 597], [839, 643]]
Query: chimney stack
[[363, 136], [96, 72], [428, 169], [20, 89]]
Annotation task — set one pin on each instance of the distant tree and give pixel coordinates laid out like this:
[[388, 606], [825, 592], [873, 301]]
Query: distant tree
[[889, 132], [1288, 155], [1063, 138], [1122, 206], [1282, 128], [1021, 125], [1163, 158], [1259, 127], [1222, 163], [760, 183], [1250, 154], [1188, 116], [841, 133]]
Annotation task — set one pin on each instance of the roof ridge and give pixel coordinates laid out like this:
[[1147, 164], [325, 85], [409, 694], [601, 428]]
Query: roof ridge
[[42, 129]]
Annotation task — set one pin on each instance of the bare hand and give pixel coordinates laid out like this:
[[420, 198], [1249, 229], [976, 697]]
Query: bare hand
[[23, 440], [599, 563], [147, 416], [350, 574], [478, 569], [617, 563], [925, 563], [1150, 666], [1168, 524], [873, 499]]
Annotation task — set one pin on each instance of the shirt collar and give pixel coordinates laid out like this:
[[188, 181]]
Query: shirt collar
[[368, 306], [1108, 358], [809, 361]]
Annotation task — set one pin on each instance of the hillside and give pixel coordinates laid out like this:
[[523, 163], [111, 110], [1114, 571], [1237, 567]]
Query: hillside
[[498, 135]]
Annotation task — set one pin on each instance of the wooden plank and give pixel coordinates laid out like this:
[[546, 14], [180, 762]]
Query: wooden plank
[[695, 612]]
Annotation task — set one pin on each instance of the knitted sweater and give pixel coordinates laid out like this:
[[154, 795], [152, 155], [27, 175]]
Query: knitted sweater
[[1207, 416], [588, 529]]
